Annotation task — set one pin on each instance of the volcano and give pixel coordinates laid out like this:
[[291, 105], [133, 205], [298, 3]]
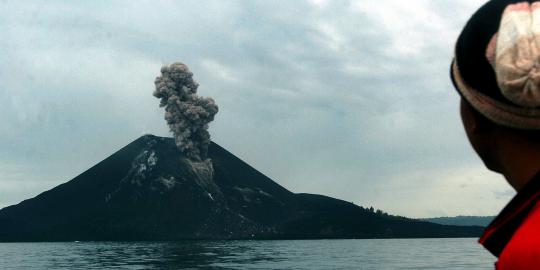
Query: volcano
[[149, 191]]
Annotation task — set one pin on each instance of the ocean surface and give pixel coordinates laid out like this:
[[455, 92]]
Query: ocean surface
[[309, 254]]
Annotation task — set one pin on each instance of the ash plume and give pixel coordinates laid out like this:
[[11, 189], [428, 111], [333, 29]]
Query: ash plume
[[186, 113]]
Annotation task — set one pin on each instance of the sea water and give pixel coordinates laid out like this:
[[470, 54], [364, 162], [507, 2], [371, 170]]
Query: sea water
[[463, 253]]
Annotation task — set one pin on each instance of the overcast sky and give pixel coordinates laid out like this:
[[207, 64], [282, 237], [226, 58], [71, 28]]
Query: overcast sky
[[349, 99]]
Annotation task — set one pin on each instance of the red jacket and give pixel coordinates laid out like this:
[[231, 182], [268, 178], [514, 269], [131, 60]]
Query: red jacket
[[514, 236]]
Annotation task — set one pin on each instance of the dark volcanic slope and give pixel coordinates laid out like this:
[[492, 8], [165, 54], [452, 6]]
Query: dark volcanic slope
[[149, 191]]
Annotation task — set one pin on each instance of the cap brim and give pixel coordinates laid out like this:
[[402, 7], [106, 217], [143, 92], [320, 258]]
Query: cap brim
[[496, 111]]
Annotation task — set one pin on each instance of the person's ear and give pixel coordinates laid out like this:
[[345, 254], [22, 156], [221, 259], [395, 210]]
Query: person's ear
[[473, 121]]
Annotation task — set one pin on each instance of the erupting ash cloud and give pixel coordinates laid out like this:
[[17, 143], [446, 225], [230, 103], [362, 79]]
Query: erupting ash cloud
[[186, 113]]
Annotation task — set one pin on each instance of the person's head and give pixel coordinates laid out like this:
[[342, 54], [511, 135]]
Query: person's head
[[490, 140], [496, 70]]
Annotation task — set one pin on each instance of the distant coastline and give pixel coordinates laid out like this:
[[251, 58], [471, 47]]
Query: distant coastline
[[482, 221]]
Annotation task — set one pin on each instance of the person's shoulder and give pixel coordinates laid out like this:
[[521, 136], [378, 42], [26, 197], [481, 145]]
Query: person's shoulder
[[523, 250]]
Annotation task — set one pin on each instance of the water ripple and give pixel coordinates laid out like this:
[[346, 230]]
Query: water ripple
[[308, 254]]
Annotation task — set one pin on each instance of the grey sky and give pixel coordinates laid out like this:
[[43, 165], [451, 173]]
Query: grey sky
[[349, 99]]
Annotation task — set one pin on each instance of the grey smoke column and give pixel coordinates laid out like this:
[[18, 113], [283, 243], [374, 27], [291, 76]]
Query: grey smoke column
[[186, 113]]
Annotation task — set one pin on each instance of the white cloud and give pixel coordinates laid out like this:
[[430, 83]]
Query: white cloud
[[319, 3], [331, 37], [469, 190], [414, 26], [410, 24], [219, 70]]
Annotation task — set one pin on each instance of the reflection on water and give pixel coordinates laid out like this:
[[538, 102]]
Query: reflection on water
[[312, 254]]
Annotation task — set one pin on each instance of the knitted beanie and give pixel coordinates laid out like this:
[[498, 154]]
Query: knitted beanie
[[496, 67]]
